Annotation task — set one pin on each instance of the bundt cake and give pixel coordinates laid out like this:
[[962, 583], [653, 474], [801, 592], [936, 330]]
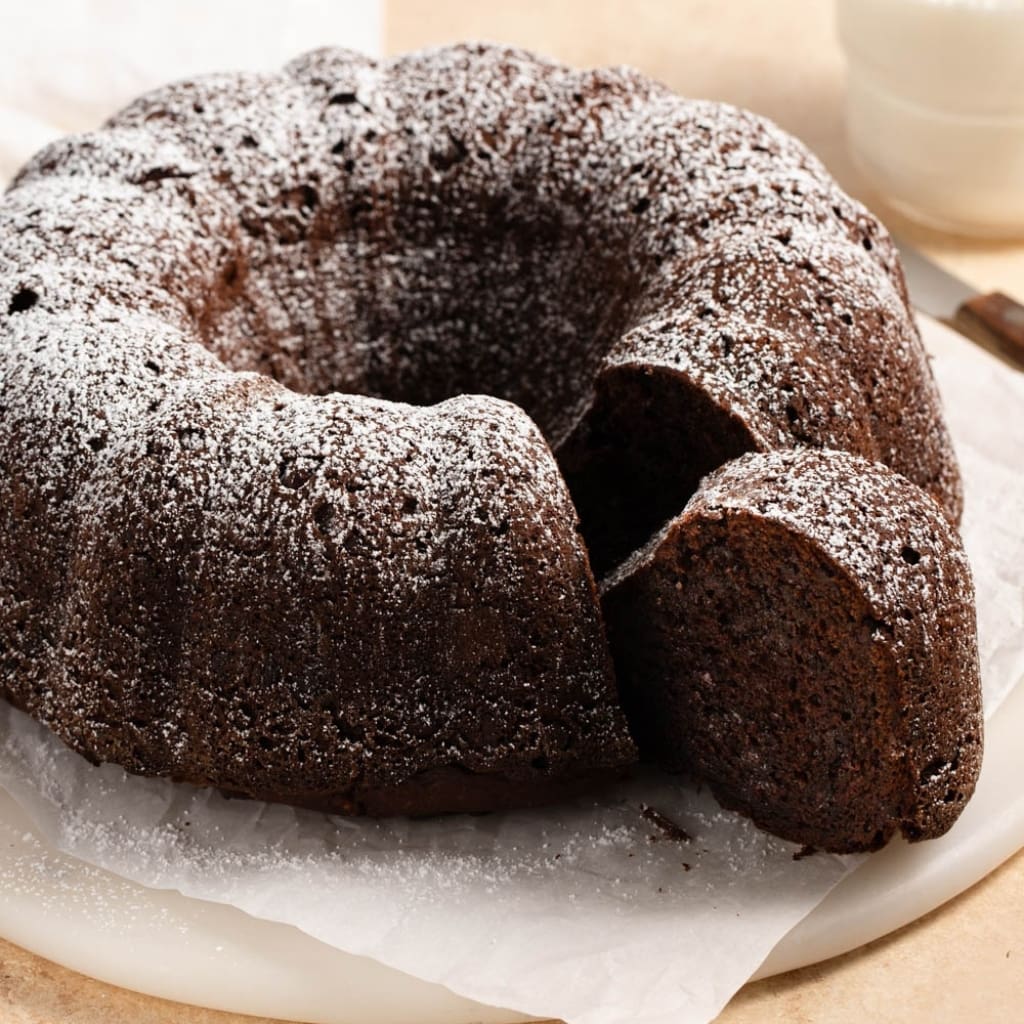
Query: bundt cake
[[255, 530], [803, 637]]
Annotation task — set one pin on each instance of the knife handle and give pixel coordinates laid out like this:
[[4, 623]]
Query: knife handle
[[996, 322]]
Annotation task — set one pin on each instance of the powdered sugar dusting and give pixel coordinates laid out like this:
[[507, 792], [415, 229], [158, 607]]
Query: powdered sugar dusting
[[887, 535], [195, 293]]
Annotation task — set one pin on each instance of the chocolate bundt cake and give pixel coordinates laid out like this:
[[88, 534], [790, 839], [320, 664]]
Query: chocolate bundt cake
[[254, 530], [803, 637]]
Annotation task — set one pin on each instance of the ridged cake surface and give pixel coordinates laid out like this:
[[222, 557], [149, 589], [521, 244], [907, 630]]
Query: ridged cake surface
[[257, 531]]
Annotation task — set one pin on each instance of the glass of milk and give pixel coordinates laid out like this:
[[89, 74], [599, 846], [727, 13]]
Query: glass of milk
[[935, 108]]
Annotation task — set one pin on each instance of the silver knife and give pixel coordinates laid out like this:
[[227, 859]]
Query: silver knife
[[995, 321]]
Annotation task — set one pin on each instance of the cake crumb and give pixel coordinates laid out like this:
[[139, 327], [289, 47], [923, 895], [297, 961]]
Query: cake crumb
[[668, 828]]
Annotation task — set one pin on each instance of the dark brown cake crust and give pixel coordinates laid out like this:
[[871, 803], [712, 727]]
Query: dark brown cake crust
[[230, 554], [277, 618], [803, 637]]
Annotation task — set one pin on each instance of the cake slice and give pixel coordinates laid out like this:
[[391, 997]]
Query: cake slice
[[803, 637]]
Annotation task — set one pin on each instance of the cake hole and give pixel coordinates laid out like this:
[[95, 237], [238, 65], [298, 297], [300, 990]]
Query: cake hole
[[158, 174], [933, 769], [454, 153], [846, 319], [516, 297], [323, 515], [250, 141], [868, 244], [642, 205], [152, 367], [910, 555], [22, 300], [342, 99], [877, 627], [291, 475], [97, 444]]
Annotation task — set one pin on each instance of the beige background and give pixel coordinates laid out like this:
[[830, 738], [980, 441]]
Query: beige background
[[965, 961]]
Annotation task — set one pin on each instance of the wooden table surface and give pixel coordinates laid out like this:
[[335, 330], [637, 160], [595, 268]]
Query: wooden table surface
[[964, 961]]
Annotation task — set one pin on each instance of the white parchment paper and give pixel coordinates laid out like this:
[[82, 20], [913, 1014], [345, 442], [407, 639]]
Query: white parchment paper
[[984, 405], [588, 912]]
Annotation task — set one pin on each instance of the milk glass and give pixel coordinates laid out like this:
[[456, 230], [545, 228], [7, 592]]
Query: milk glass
[[935, 108]]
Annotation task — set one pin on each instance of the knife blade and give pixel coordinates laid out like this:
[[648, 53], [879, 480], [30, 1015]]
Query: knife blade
[[994, 321]]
